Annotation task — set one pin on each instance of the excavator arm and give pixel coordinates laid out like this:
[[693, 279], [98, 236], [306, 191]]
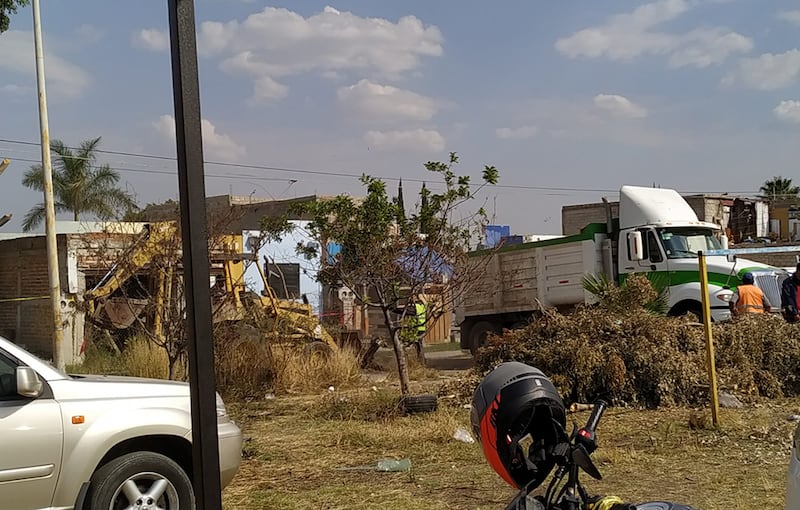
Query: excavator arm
[[146, 248], [107, 311], [158, 241]]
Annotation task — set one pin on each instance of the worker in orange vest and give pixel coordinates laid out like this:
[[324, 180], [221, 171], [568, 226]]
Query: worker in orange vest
[[748, 298]]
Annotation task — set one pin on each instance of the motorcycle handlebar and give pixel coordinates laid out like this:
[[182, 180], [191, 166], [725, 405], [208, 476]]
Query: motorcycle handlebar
[[594, 418]]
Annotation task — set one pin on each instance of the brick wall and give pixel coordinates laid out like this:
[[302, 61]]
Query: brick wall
[[23, 274]]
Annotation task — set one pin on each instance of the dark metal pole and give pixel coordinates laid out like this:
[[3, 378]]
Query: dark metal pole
[[194, 234]]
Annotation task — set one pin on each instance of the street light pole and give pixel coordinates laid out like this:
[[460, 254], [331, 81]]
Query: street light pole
[[49, 207]]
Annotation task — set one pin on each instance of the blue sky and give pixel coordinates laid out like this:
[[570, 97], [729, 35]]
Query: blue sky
[[581, 97]]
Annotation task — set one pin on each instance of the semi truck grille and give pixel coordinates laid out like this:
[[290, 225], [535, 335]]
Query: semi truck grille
[[770, 285]]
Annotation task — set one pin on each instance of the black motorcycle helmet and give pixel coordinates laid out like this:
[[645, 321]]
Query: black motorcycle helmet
[[512, 401]]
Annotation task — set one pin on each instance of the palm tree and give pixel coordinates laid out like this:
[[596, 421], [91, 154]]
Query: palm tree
[[779, 188], [79, 185]]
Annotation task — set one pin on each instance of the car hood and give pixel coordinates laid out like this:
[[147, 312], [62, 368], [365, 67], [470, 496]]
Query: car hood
[[102, 386]]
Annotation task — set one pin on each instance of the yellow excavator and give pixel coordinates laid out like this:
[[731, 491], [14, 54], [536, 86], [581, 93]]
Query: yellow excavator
[[112, 306]]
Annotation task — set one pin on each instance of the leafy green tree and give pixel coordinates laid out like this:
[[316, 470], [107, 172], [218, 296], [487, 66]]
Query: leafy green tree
[[779, 188], [8, 7], [80, 186], [389, 258]]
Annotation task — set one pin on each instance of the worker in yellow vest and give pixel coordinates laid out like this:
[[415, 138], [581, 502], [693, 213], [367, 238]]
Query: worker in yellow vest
[[748, 298], [420, 323]]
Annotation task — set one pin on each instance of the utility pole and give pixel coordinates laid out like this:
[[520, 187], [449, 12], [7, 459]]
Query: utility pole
[[194, 237], [49, 208], [3, 165]]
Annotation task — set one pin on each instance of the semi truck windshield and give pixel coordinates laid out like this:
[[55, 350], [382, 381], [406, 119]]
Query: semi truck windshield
[[685, 242]]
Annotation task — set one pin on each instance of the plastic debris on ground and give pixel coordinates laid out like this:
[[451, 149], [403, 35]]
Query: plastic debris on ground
[[383, 465], [461, 434]]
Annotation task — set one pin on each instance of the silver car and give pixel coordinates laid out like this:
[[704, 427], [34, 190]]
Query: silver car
[[793, 491], [98, 442]]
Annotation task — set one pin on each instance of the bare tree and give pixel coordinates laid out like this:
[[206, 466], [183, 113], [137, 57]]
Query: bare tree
[[390, 257]]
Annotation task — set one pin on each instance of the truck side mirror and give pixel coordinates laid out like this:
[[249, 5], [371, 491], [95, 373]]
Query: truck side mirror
[[635, 246], [724, 242]]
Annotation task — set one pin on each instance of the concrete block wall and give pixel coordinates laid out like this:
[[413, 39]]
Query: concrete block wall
[[787, 260], [575, 217]]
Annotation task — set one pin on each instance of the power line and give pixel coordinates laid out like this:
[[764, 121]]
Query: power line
[[331, 173], [171, 172]]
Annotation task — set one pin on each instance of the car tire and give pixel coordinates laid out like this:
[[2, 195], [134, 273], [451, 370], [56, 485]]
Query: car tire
[[110, 486], [413, 404]]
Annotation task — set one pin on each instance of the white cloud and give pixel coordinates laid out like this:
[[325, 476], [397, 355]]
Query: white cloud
[[579, 120], [214, 36], [151, 39], [265, 89], [625, 37], [385, 103], [792, 17], [788, 110], [518, 133], [767, 71], [418, 140], [277, 42], [64, 79], [165, 126], [215, 145], [220, 146], [619, 106]]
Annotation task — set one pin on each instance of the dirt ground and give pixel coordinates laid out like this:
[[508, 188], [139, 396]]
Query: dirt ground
[[315, 451]]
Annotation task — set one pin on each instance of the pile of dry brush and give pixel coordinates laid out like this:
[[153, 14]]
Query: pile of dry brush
[[628, 355]]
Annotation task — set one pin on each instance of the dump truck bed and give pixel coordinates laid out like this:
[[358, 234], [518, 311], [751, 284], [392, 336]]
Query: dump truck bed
[[530, 276]]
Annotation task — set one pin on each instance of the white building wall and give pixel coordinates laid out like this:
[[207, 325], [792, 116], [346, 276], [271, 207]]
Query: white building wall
[[285, 252]]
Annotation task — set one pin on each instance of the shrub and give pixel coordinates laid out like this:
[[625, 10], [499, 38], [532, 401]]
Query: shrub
[[634, 357], [248, 365]]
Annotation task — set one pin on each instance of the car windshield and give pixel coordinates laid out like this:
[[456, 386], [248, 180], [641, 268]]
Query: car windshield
[[685, 242]]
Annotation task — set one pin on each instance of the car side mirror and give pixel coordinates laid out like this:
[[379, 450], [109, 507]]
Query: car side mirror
[[28, 382]]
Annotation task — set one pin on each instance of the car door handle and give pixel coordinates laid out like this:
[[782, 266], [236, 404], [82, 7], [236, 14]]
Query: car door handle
[[652, 267]]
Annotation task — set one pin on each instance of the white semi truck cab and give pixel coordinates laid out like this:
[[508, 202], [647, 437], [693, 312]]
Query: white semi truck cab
[[657, 232]]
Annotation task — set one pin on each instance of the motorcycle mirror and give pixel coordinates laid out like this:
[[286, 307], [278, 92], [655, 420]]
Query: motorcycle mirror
[[582, 459]]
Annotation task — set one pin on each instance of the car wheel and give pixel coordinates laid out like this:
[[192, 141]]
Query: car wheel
[[141, 480]]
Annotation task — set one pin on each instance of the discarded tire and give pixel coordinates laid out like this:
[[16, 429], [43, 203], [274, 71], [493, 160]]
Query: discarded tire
[[419, 403], [318, 350]]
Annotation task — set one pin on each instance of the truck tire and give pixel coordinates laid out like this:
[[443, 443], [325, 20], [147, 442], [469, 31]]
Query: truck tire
[[127, 482], [479, 334]]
